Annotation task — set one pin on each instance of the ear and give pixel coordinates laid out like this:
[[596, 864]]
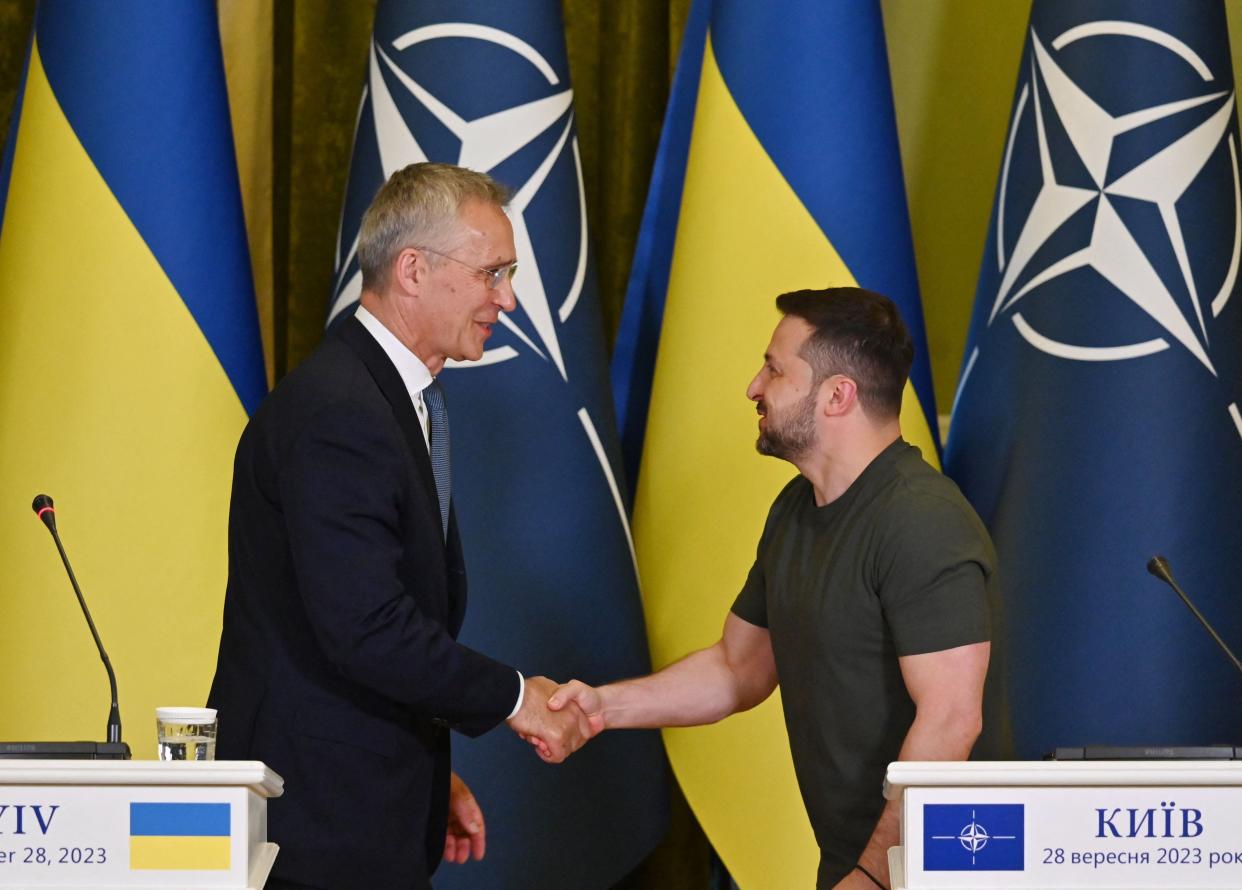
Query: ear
[[409, 270], [838, 395]]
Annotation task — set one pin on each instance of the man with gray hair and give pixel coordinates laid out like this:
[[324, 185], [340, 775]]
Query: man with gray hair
[[339, 665]]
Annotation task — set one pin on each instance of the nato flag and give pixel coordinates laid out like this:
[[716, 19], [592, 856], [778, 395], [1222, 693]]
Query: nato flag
[[536, 470], [973, 837], [1097, 420]]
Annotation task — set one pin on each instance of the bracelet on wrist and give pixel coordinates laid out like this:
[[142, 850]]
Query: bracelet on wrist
[[874, 879]]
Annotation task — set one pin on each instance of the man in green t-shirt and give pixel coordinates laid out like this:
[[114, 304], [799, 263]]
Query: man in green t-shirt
[[871, 596]]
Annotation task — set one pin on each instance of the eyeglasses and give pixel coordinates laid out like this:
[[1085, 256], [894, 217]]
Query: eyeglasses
[[494, 276]]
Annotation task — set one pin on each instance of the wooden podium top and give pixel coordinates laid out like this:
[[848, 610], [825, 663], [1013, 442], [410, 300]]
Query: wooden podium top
[[1016, 773], [252, 774]]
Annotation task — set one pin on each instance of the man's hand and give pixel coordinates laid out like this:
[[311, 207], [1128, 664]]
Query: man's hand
[[588, 700], [555, 735], [467, 835]]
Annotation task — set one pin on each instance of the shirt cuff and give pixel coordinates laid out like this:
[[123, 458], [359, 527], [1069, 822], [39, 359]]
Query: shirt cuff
[[521, 696]]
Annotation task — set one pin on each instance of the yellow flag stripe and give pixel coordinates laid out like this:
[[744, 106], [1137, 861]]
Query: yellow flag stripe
[[180, 853]]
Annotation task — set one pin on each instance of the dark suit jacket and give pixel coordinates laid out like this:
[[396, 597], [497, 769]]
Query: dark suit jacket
[[338, 662]]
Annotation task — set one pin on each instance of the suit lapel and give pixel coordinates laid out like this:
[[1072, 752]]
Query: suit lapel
[[390, 384]]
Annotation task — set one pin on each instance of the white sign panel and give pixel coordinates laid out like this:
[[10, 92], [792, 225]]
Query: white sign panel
[[1097, 837], [127, 836]]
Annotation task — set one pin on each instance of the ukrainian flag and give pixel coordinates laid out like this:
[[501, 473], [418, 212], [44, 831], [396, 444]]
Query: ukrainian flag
[[778, 170], [129, 358], [179, 836]]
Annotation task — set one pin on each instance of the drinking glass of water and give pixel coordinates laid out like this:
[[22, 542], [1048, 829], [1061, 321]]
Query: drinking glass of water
[[186, 733]]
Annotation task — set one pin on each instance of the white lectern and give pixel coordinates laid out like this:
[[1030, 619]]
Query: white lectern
[[110, 824], [1095, 824]]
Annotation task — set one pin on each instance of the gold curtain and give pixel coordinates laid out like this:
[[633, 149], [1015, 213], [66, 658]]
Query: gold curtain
[[16, 17]]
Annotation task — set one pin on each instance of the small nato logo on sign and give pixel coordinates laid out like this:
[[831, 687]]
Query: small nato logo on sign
[[972, 837]]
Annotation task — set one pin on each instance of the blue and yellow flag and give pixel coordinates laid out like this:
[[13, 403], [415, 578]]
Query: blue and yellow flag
[[180, 836], [129, 358], [537, 484], [778, 170], [1097, 420]]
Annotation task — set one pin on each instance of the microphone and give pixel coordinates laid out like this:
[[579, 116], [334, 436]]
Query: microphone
[[46, 511], [1159, 566]]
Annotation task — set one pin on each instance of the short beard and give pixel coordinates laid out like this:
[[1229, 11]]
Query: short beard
[[794, 435]]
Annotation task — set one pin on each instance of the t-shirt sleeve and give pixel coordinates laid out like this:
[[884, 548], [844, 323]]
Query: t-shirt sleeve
[[752, 603], [933, 578]]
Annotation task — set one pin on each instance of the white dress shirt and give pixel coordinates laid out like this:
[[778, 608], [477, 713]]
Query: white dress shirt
[[416, 377]]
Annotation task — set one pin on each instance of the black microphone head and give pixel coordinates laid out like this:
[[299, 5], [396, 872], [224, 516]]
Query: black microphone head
[[1159, 566], [46, 510]]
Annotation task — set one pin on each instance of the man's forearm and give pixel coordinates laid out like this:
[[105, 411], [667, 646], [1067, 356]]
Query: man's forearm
[[700, 688], [735, 674], [944, 735]]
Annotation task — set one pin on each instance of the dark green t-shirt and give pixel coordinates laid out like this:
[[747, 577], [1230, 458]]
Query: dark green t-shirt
[[897, 565]]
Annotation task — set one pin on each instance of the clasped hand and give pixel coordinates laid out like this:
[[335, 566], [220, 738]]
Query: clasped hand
[[555, 734]]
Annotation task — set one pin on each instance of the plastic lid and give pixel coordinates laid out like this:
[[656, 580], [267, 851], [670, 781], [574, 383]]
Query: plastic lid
[[185, 715]]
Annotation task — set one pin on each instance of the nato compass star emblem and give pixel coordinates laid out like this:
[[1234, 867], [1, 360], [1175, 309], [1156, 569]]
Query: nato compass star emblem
[[1114, 250], [485, 143], [973, 837]]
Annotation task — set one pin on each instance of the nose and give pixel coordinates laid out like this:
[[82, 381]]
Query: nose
[[504, 297], [754, 392]]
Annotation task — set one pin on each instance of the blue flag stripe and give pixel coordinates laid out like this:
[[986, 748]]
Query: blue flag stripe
[[179, 819], [638, 334]]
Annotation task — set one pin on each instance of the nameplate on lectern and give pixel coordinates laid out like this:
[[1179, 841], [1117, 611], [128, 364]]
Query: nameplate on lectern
[[135, 824], [1052, 825]]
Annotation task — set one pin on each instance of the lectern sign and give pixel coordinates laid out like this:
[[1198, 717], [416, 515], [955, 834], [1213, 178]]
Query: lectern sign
[[1072, 837], [109, 825], [123, 836]]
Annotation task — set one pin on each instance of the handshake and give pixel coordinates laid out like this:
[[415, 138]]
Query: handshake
[[558, 720]]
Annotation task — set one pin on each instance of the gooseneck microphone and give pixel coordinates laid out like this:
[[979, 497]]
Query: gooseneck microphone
[[46, 511], [1159, 566]]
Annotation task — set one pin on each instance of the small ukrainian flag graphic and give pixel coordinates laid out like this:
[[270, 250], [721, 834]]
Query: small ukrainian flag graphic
[[181, 836]]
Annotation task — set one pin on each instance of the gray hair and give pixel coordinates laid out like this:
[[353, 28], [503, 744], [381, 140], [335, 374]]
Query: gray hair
[[418, 206]]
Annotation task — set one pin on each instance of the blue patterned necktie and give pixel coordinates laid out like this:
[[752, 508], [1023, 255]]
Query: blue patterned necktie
[[433, 395]]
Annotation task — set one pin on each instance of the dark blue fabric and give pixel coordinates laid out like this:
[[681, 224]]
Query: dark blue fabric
[[1085, 469], [638, 334], [552, 583], [141, 83], [339, 664]]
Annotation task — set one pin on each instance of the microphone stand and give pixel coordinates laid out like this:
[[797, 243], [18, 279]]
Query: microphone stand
[[114, 748]]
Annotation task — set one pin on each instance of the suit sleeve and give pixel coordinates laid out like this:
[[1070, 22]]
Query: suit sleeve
[[343, 484]]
